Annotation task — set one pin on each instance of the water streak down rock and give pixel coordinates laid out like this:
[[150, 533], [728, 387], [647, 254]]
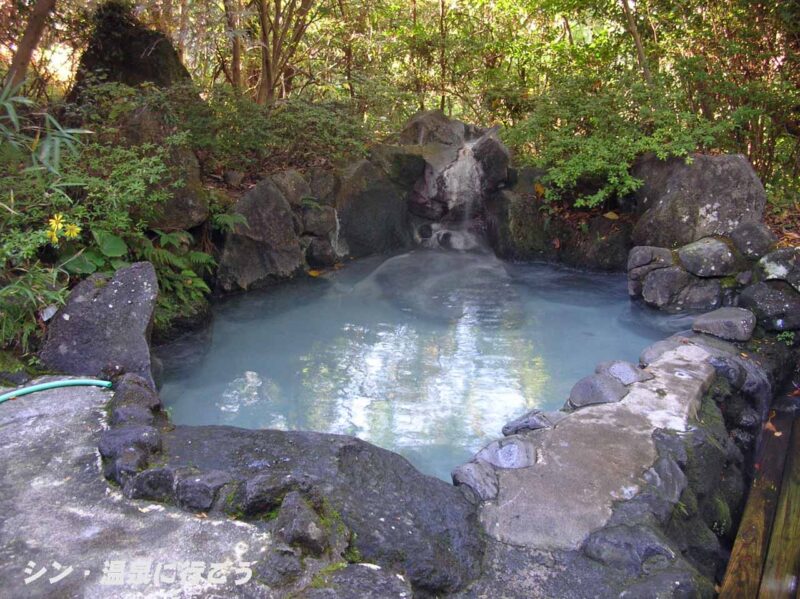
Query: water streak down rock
[[462, 166]]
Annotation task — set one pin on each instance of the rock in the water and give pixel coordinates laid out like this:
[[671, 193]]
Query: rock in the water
[[299, 525], [642, 260], [265, 248], [372, 213], [673, 289], [753, 239], [733, 324], [708, 257], [782, 265], [681, 203], [104, 328], [320, 253], [625, 372], [293, 186], [776, 305], [596, 388]]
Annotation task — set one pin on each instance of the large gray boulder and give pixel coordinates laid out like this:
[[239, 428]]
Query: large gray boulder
[[433, 126], [265, 248], [122, 50], [293, 186], [372, 213], [680, 203], [708, 257], [400, 519], [493, 158], [104, 328]]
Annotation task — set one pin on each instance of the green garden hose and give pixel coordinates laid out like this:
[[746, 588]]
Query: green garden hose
[[54, 385]]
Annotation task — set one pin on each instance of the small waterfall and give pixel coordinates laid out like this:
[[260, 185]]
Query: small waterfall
[[461, 182], [460, 188]]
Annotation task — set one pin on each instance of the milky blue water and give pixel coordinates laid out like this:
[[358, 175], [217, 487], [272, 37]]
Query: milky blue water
[[427, 354]]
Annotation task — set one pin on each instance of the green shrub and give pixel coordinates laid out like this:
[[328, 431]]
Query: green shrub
[[67, 215], [588, 133]]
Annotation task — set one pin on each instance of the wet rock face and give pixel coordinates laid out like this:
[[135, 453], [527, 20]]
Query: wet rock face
[[450, 167], [104, 328], [680, 203]]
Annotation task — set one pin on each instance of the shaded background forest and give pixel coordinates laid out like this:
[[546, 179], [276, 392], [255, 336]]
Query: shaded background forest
[[580, 87]]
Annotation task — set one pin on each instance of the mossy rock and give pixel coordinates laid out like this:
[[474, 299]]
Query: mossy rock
[[122, 50]]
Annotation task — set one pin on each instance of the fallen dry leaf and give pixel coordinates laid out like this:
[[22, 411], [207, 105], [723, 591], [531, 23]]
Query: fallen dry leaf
[[611, 215], [314, 273]]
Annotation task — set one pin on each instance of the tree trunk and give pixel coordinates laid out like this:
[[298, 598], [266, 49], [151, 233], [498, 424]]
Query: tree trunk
[[266, 85], [637, 40], [232, 12], [442, 54], [183, 27], [30, 39]]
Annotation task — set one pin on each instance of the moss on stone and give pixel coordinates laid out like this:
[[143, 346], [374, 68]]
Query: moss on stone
[[320, 580], [10, 363], [719, 515]]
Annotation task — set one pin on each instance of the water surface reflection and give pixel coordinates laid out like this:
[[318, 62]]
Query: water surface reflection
[[427, 354]]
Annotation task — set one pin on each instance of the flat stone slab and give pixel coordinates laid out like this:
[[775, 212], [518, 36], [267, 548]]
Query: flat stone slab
[[595, 457], [732, 324], [59, 514]]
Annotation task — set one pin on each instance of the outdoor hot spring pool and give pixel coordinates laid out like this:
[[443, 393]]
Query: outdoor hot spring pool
[[427, 354]]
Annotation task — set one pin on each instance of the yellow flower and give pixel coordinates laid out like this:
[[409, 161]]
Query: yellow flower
[[71, 231], [57, 222], [53, 237]]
